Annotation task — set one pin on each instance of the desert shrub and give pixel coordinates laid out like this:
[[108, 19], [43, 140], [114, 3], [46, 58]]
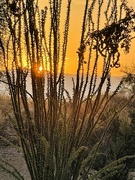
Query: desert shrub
[[8, 133], [57, 138], [119, 142]]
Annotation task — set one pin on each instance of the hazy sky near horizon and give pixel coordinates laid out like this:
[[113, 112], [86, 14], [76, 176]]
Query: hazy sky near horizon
[[76, 17]]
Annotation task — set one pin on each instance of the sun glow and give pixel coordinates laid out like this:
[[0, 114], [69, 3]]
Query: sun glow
[[40, 68], [39, 71]]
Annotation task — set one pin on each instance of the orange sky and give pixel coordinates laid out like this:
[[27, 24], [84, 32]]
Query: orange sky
[[77, 9], [74, 38]]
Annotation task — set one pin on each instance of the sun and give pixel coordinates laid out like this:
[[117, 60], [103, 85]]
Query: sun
[[41, 71], [40, 68]]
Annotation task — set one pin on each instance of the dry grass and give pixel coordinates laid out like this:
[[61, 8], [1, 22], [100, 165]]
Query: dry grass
[[8, 133]]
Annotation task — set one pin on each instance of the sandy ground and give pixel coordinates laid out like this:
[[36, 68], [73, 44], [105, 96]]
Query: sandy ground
[[15, 158]]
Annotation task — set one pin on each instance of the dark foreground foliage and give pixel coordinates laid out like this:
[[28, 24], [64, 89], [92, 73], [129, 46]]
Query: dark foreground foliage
[[62, 134]]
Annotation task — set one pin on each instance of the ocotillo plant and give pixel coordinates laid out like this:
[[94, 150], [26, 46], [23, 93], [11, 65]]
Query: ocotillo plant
[[55, 133]]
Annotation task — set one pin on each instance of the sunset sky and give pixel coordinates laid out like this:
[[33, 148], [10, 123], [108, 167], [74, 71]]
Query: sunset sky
[[74, 37]]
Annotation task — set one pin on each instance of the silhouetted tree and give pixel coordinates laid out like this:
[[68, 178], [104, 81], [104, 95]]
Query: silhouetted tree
[[54, 139]]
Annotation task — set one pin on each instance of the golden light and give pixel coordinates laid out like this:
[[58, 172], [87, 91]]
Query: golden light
[[40, 68], [39, 71]]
